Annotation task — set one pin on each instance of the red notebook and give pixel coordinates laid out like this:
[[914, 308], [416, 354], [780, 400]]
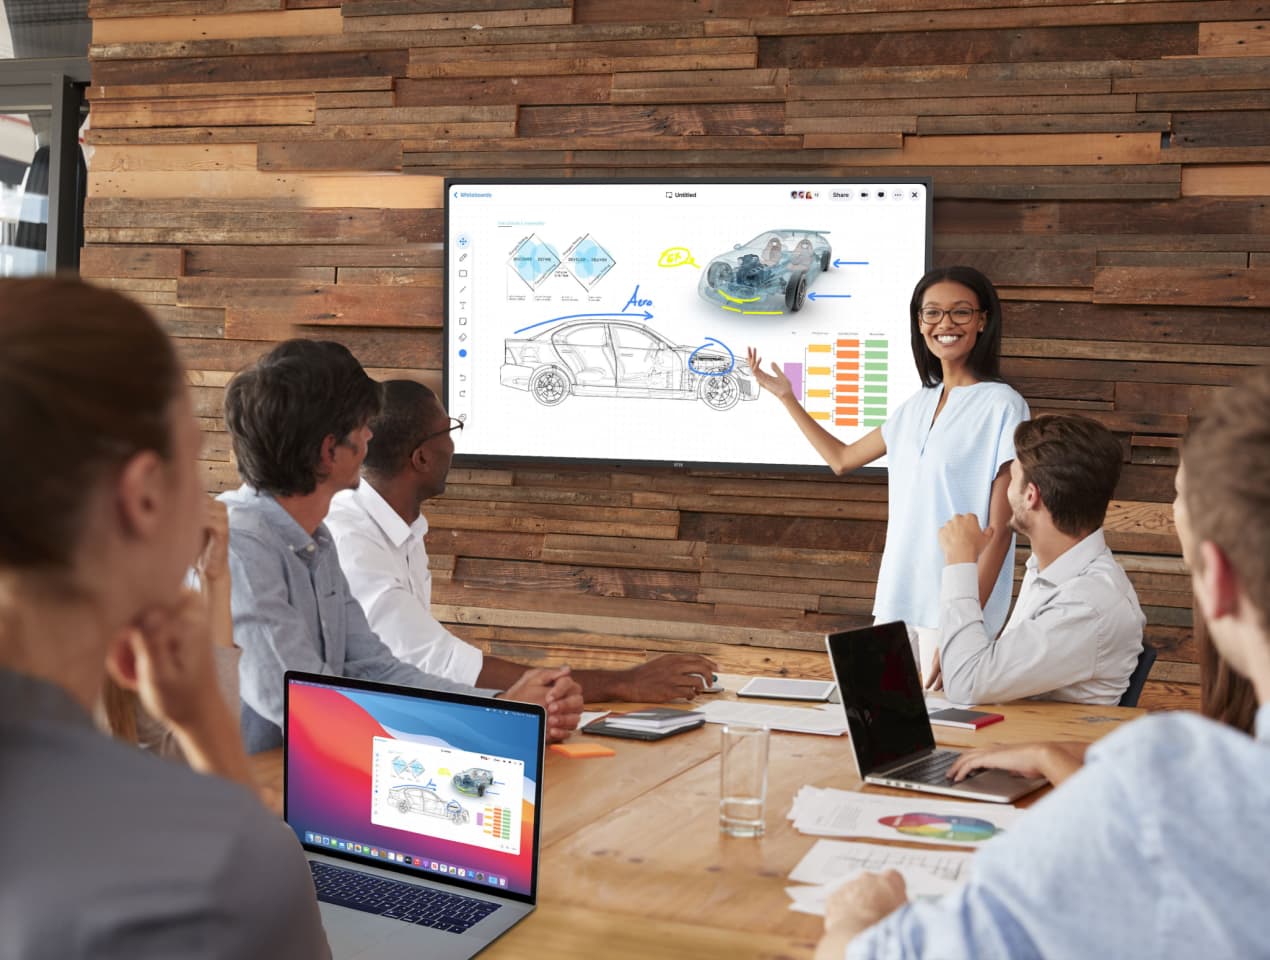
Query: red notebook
[[969, 719]]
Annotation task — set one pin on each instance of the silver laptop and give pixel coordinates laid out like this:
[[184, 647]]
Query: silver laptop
[[418, 812], [890, 731]]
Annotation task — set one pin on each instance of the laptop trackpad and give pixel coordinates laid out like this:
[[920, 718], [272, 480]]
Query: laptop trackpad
[[1000, 782], [354, 935]]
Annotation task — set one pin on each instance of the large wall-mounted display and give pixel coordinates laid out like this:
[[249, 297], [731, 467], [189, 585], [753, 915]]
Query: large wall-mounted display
[[610, 321]]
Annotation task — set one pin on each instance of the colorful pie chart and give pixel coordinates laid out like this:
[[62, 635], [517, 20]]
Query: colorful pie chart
[[934, 826]]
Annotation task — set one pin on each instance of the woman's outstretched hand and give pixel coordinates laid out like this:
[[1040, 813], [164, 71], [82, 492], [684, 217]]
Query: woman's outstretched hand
[[775, 382]]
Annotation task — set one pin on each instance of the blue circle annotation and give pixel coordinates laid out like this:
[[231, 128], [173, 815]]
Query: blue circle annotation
[[712, 373]]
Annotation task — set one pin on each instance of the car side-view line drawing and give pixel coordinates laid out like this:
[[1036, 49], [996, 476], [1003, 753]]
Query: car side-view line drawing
[[623, 358], [413, 798], [770, 274], [473, 781]]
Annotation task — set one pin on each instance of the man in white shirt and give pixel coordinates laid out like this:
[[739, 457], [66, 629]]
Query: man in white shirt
[[379, 532], [1076, 630]]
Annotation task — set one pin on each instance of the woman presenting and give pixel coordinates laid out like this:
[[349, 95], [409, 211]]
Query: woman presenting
[[948, 448]]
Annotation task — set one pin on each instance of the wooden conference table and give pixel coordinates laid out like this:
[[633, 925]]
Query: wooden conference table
[[632, 861]]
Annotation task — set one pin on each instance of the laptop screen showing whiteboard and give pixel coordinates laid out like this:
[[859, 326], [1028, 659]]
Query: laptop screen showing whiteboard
[[439, 786]]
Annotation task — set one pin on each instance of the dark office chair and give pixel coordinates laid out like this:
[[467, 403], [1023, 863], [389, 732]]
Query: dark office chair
[[1138, 679]]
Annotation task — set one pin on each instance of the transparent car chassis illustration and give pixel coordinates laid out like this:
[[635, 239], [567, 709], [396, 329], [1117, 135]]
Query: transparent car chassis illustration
[[770, 274], [473, 781]]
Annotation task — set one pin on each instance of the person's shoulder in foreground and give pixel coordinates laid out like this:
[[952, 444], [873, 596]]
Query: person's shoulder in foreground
[[154, 859], [1127, 846]]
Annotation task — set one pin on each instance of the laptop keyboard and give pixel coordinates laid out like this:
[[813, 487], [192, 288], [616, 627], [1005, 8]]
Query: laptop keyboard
[[425, 906], [932, 769]]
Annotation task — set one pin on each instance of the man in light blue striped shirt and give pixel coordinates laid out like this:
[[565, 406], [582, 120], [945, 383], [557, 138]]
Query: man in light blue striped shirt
[[1155, 848]]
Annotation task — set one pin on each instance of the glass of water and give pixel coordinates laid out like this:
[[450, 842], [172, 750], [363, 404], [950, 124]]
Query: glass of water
[[743, 780]]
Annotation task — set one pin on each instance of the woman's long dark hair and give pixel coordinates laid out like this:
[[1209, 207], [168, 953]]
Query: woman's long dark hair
[[985, 359]]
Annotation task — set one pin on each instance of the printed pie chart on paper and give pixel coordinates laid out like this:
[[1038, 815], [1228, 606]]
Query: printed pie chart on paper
[[933, 826]]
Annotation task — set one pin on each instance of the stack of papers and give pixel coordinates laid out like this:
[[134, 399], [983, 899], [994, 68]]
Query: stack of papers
[[934, 704], [826, 812], [831, 863], [827, 719], [654, 719]]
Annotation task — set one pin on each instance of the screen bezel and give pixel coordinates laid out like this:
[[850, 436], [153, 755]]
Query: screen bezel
[[511, 460], [416, 873]]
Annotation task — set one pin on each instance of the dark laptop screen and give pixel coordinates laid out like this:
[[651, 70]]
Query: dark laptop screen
[[881, 694], [436, 784]]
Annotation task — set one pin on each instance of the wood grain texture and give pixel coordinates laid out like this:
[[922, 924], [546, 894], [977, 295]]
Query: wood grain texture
[[268, 168], [972, 46], [1247, 39], [1196, 286], [142, 29], [211, 111]]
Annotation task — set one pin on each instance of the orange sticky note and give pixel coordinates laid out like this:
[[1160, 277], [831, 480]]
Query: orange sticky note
[[580, 751]]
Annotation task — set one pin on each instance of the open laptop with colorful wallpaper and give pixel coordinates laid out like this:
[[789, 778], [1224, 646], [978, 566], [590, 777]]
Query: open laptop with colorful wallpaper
[[418, 812]]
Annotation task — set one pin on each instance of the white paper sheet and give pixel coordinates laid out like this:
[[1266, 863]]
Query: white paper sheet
[[829, 864], [917, 817], [832, 861], [918, 884], [827, 719]]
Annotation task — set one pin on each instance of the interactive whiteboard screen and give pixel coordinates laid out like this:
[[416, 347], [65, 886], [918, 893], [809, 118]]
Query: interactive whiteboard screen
[[609, 321]]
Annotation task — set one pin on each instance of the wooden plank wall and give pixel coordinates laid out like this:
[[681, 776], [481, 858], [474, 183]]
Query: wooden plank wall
[[269, 167]]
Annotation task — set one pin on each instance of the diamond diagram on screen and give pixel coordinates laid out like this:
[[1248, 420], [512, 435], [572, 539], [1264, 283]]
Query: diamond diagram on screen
[[401, 767], [534, 260], [588, 261]]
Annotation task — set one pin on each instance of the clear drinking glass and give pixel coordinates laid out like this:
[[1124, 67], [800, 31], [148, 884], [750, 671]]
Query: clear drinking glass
[[743, 780]]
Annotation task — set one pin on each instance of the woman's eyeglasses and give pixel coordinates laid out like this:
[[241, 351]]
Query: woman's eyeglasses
[[959, 315]]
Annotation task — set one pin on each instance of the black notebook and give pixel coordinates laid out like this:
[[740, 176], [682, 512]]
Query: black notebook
[[651, 724]]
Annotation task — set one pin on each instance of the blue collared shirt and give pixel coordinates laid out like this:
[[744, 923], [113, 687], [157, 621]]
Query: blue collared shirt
[[1153, 850], [293, 611], [933, 472]]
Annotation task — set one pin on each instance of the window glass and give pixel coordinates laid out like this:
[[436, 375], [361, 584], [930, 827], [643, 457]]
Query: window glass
[[23, 196]]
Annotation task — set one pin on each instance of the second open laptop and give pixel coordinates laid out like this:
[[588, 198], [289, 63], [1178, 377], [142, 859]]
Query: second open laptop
[[418, 812], [891, 735]]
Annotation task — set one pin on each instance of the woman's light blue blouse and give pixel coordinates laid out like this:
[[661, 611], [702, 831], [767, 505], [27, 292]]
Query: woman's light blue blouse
[[935, 472]]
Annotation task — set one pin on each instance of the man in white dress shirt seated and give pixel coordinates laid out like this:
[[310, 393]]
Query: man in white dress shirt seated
[[379, 531], [1076, 630]]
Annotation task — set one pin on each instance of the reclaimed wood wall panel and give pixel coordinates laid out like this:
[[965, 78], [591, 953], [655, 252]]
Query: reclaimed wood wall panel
[[273, 168]]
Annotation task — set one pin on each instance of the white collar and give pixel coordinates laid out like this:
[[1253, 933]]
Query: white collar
[[1073, 560], [386, 518]]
